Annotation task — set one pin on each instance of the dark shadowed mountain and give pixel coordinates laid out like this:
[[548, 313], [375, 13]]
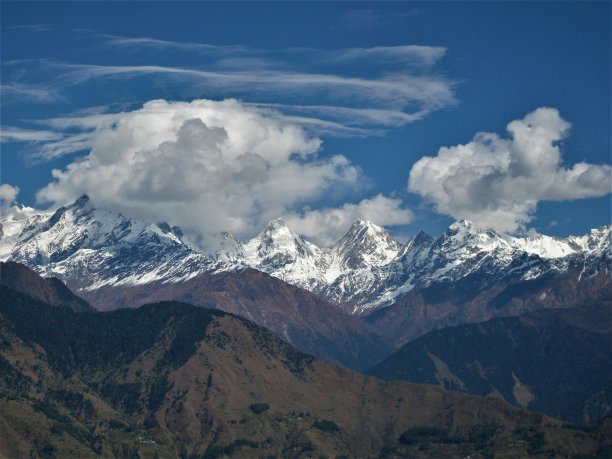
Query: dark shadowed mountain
[[51, 291], [558, 362], [465, 301], [174, 380], [295, 315]]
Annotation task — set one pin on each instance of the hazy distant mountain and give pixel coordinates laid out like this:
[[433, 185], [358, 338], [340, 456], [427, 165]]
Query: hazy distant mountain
[[173, 380], [558, 362]]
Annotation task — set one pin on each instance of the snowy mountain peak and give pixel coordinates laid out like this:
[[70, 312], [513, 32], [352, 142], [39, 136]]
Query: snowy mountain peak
[[422, 238], [464, 233], [230, 249], [599, 239], [462, 227], [277, 246], [83, 202], [276, 225], [365, 224], [278, 236], [365, 244], [89, 248], [466, 228]]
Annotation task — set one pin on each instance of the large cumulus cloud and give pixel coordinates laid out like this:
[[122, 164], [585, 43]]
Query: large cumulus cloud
[[207, 166], [497, 182]]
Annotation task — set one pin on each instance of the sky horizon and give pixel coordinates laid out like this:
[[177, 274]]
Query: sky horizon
[[219, 118]]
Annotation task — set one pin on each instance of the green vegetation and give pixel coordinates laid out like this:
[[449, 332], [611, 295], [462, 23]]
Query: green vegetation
[[105, 340], [326, 425], [424, 434], [216, 451], [535, 438], [479, 436], [157, 393], [126, 396], [259, 408], [79, 406], [63, 423], [11, 379]]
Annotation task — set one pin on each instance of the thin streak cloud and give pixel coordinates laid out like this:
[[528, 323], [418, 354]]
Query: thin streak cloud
[[401, 90]]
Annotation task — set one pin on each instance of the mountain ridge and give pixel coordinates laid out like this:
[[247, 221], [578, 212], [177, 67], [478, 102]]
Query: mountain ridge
[[555, 361], [174, 380], [365, 271]]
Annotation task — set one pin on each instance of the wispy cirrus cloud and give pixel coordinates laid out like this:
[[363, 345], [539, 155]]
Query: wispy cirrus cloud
[[13, 134], [34, 93], [431, 92], [328, 92], [350, 115], [33, 27], [47, 144], [414, 55]]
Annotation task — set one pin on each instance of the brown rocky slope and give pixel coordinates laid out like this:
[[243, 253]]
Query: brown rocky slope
[[174, 380], [444, 305], [297, 316]]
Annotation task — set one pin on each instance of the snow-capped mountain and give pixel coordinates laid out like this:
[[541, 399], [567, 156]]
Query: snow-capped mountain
[[13, 223], [365, 245], [465, 250], [282, 253], [367, 269], [89, 248]]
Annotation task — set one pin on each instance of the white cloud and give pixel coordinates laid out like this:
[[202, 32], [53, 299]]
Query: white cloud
[[8, 194], [22, 91], [429, 92], [412, 55], [497, 182], [349, 115], [401, 87], [326, 226], [207, 166], [13, 134]]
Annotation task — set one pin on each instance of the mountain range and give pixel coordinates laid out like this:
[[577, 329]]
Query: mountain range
[[400, 291], [173, 380], [366, 270]]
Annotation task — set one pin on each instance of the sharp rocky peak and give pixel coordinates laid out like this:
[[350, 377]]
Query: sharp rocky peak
[[465, 230], [463, 226], [366, 244], [276, 225], [365, 228], [422, 238], [420, 241], [277, 232], [82, 202], [81, 206]]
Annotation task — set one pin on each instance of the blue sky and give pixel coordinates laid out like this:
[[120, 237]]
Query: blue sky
[[371, 88]]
